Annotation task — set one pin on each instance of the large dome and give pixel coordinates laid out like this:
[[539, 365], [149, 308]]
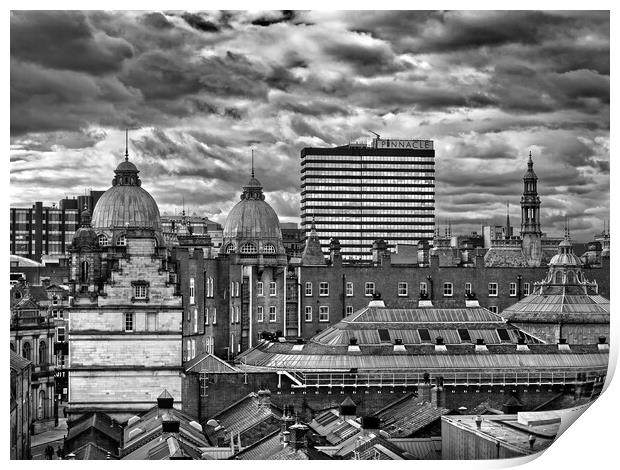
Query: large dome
[[252, 226], [126, 204]]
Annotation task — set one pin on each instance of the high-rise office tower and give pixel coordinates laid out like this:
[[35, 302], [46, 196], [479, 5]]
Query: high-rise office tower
[[358, 193]]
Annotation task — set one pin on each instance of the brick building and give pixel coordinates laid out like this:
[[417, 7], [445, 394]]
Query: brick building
[[21, 414]]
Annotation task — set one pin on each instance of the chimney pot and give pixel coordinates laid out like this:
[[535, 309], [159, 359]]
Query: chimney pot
[[478, 422]]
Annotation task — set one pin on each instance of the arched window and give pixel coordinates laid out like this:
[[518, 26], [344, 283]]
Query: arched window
[[121, 241], [42, 408], [269, 248], [103, 240], [42, 353], [558, 277], [248, 248], [84, 272], [570, 278], [230, 248], [26, 351]]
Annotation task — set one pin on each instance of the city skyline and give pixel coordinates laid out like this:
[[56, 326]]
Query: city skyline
[[199, 90]]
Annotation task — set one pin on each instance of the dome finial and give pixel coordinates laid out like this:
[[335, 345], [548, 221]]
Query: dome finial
[[126, 144], [252, 163]]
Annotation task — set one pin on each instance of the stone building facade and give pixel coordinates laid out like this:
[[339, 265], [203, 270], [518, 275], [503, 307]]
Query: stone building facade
[[21, 370], [125, 319]]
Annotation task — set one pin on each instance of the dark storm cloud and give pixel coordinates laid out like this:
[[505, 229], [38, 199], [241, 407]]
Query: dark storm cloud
[[203, 88], [277, 17], [200, 23], [65, 40]]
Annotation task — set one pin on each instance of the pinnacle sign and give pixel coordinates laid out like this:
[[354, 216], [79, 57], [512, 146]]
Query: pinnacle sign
[[403, 144]]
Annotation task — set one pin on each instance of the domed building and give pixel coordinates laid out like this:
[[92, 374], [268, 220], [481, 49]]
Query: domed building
[[126, 204], [252, 229], [564, 307]]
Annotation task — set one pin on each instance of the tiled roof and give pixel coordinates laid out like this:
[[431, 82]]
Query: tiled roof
[[373, 447], [247, 418], [92, 451], [149, 426], [262, 449], [18, 362], [99, 421], [428, 448], [407, 415], [568, 308]]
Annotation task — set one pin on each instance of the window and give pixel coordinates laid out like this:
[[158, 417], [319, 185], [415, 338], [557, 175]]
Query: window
[[42, 352], [54, 300], [526, 288], [269, 248], [423, 290], [192, 291], [103, 240], [259, 288], [237, 289], [402, 289], [308, 314], [193, 351], [468, 288], [308, 288], [493, 308], [323, 289], [369, 288], [232, 288], [248, 248], [139, 291], [492, 289], [272, 314], [513, 289], [503, 334], [349, 309], [260, 315], [58, 314], [272, 288], [237, 313], [206, 316], [121, 241], [210, 287], [195, 320], [425, 336], [27, 351], [151, 321], [447, 289], [384, 335], [349, 289], [464, 334], [230, 248], [204, 384], [214, 315], [129, 321], [323, 313], [60, 334]]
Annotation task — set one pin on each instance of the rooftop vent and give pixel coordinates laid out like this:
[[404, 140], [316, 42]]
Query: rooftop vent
[[480, 346], [602, 345], [425, 303], [195, 425], [563, 345], [472, 303], [353, 347], [399, 346], [132, 420], [521, 346], [439, 346], [478, 422]]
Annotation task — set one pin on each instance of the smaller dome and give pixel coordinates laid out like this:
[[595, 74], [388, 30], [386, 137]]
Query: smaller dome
[[85, 237], [126, 166]]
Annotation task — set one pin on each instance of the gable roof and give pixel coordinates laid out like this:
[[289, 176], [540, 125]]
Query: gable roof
[[209, 363], [18, 362], [99, 421], [407, 415]]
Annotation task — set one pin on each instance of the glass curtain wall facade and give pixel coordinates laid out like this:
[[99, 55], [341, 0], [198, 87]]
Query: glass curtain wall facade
[[359, 193]]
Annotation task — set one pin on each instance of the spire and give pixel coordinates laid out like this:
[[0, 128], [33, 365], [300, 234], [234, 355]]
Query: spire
[[530, 163], [126, 144], [252, 163], [507, 219]]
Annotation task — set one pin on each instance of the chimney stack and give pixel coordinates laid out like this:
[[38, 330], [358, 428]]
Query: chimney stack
[[478, 422], [264, 398]]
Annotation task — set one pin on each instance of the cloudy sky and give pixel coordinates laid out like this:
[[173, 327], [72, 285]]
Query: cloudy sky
[[200, 89]]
